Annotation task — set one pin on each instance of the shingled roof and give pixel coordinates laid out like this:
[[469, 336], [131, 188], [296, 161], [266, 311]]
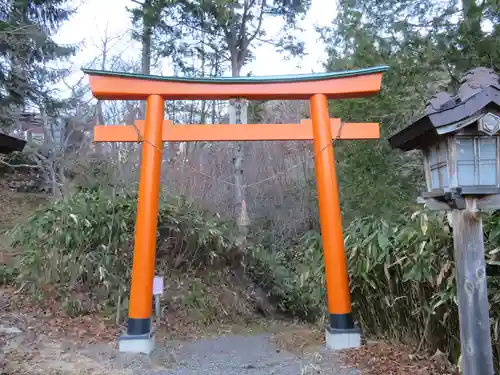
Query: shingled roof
[[445, 113], [9, 144]]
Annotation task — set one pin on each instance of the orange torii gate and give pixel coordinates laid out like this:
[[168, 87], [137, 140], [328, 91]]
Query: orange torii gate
[[321, 129]]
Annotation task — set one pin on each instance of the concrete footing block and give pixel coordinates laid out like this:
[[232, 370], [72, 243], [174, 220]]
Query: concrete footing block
[[137, 343], [338, 339]]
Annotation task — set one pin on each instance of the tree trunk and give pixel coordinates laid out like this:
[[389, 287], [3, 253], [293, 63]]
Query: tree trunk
[[147, 31], [203, 63], [238, 115], [214, 102], [99, 110]]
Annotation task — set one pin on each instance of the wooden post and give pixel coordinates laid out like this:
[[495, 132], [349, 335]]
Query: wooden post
[[141, 291], [473, 307], [337, 280]]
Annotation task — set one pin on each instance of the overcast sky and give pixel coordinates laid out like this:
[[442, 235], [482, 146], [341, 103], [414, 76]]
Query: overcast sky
[[94, 16]]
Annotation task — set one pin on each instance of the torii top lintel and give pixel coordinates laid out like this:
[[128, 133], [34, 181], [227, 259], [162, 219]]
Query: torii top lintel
[[346, 84]]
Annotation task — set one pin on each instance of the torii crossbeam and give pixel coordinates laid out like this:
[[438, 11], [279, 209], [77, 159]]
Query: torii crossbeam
[[321, 129], [240, 132]]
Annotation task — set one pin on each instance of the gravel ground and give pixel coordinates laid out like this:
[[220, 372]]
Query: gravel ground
[[223, 355], [240, 355], [227, 355]]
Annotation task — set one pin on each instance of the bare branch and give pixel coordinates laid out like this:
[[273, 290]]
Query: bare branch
[[259, 25], [33, 166]]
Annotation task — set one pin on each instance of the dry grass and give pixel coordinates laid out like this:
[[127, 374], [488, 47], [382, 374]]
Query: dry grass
[[292, 337], [300, 339], [15, 209], [56, 358]]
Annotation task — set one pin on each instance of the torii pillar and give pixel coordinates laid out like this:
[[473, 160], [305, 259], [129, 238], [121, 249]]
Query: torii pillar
[[317, 88]]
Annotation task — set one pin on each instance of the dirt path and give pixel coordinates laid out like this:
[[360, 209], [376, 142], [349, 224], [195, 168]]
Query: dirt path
[[229, 355], [225, 355], [40, 340]]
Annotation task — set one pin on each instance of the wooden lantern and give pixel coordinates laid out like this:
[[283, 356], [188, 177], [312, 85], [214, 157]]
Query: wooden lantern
[[459, 138]]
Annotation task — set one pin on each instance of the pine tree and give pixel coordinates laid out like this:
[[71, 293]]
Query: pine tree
[[428, 46], [27, 49]]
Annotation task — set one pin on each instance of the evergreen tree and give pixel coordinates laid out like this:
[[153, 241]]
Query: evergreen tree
[[428, 46], [26, 50]]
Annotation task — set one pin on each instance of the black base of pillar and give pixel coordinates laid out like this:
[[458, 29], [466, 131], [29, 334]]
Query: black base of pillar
[[138, 326], [341, 321]]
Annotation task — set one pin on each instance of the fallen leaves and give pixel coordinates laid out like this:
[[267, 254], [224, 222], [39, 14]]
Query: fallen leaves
[[299, 339], [391, 359], [46, 318]]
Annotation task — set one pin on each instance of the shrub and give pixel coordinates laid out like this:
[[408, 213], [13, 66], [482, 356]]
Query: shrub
[[82, 247], [403, 284], [7, 274], [402, 278], [291, 288]]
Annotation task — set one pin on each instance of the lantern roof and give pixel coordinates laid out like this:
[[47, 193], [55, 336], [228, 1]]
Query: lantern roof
[[446, 113]]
